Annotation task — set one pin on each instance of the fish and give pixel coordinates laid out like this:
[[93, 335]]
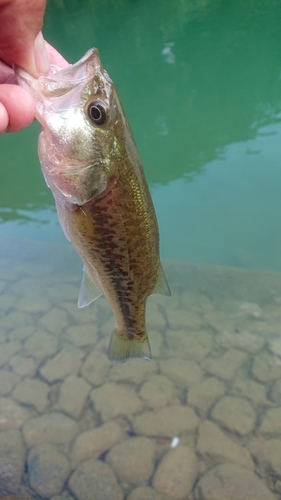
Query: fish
[[90, 162]]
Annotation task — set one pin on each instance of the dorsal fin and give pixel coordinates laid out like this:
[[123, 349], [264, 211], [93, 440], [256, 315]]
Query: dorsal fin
[[89, 290], [161, 283]]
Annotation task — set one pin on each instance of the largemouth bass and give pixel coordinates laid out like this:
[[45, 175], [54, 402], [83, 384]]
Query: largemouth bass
[[91, 164]]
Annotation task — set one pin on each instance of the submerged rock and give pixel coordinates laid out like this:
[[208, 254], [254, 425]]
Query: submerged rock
[[176, 473], [94, 442], [32, 392], [50, 428], [182, 372], [231, 482], [94, 479], [235, 414], [112, 400], [133, 460], [73, 395], [170, 421], [216, 447], [12, 456], [158, 391], [227, 365], [204, 394], [48, 469]]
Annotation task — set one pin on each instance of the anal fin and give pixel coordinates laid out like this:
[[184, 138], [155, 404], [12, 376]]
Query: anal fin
[[89, 290], [161, 283]]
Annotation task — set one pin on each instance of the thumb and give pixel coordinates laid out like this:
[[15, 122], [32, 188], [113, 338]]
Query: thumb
[[21, 40]]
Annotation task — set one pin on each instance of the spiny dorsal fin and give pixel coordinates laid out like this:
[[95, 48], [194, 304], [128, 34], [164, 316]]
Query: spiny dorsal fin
[[89, 290], [161, 284]]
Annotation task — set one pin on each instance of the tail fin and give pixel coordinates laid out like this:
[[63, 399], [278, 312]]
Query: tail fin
[[121, 347]]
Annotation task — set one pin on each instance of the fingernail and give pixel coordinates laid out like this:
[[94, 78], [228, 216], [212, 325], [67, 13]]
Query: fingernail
[[40, 54]]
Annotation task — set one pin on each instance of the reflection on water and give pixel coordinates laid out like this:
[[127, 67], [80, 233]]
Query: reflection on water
[[73, 425]]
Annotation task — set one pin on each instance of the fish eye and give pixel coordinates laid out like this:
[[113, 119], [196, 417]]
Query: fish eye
[[97, 112]]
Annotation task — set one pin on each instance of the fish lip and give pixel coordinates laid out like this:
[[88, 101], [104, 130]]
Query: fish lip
[[46, 86]]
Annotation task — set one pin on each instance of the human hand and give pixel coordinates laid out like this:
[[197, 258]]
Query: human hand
[[22, 43]]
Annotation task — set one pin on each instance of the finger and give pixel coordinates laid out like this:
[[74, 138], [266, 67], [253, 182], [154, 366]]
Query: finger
[[20, 39], [19, 105], [4, 119]]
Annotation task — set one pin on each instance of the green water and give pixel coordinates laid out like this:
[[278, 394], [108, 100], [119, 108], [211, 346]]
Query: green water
[[201, 84]]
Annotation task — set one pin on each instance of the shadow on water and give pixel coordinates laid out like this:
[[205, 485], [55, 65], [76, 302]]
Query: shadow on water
[[200, 83]]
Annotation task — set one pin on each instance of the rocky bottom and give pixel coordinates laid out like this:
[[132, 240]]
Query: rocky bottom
[[201, 421]]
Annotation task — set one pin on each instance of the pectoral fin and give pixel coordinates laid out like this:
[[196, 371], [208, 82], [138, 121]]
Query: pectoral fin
[[89, 290], [161, 284]]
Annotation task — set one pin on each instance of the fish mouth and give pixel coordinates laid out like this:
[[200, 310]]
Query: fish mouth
[[59, 82]]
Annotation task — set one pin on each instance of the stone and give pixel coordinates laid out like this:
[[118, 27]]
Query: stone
[[271, 422], [55, 320], [146, 493], [64, 496], [275, 393], [23, 366], [32, 392], [96, 367], [219, 321], [48, 469], [12, 415], [73, 395], [235, 414], [15, 319], [8, 380], [275, 346], [62, 291], [176, 473], [66, 362], [83, 335], [154, 317], [7, 301], [49, 428], [215, 447], [7, 350], [268, 456], [170, 421], [182, 372], [249, 389], [32, 303], [156, 342], [94, 479], [112, 400], [265, 368], [242, 340], [251, 309], [133, 460], [133, 371], [227, 365], [41, 345], [12, 456], [158, 391], [194, 345], [178, 317], [22, 332], [205, 393], [93, 442], [231, 482]]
